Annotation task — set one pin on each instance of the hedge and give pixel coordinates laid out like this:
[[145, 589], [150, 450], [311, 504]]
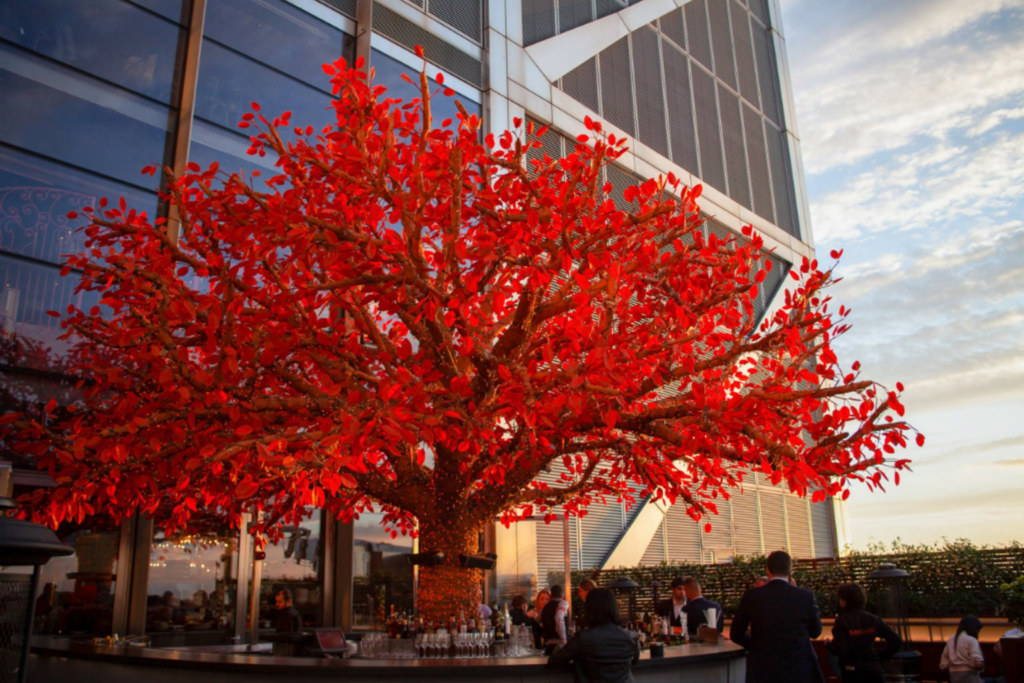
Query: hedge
[[946, 580]]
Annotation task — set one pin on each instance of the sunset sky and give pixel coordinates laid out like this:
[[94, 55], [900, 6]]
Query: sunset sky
[[911, 117]]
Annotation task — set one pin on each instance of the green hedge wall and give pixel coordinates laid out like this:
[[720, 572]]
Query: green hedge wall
[[948, 580]]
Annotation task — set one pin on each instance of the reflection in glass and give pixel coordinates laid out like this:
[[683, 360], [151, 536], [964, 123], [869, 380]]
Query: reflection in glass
[[229, 82], [36, 196], [27, 291], [112, 39], [279, 35], [388, 72], [210, 143], [193, 580], [382, 577], [76, 594], [72, 118], [296, 563]]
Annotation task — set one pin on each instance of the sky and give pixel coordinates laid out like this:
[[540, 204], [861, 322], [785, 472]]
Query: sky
[[911, 121]]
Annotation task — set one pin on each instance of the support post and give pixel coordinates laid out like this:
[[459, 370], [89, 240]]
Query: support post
[[364, 29]]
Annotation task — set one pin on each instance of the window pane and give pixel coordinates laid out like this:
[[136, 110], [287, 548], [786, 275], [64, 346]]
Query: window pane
[[278, 35], [36, 196], [175, 10], [55, 112], [382, 577], [27, 291], [296, 563], [388, 72], [193, 580], [77, 592], [111, 39], [228, 82]]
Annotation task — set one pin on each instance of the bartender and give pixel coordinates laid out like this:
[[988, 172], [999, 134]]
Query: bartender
[[288, 619]]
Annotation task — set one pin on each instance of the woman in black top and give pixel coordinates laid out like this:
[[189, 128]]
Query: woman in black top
[[854, 635], [604, 651]]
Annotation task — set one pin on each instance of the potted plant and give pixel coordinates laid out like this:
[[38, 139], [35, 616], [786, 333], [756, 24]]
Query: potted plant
[[1012, 648]]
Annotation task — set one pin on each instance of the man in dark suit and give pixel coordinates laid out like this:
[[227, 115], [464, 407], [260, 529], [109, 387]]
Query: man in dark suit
[[782, 620], [674, 606]]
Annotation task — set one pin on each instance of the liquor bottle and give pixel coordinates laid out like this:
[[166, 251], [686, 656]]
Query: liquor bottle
[[506, 621], [463, 624]]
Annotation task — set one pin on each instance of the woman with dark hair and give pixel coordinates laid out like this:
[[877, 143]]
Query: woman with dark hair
[[604, 651], [962, 655], [854, 635]]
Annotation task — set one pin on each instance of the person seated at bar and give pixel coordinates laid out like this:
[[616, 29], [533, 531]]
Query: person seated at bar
[[696, 606], [962, 655], [518, 613], [288, 619], [552, 620], [673, 607], [604, 651], [854, 635]]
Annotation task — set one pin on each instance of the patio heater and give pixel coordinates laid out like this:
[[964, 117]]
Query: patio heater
[[889, 601], [625, 594], [21, 544]]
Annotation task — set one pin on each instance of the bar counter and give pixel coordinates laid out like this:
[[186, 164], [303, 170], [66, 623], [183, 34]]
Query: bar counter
[[58, 659]]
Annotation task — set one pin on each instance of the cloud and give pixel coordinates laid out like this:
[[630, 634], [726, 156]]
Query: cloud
[[1016, 462], [943, 317], [884, 74], [959, 452]]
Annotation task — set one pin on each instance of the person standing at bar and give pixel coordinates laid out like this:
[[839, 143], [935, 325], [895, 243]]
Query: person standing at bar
[[854, 635], [781, 619], [288, 619], [552, 620], [673, 607], [586, 585], [697, 605]]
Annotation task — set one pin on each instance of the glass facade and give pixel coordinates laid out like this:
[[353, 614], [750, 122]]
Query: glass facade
[[296, 563], [382, 579]]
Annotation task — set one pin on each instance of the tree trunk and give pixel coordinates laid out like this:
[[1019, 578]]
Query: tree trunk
[[446, 588]]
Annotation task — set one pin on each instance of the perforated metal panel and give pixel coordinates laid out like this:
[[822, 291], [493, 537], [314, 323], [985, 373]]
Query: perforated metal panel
[[538, 20], [821, 529], [720, 537], [346, 7], [600, 530], [680, 108], [764, 55], [650, 96], [404, 32], [465, 16], [698, 41], [683, 536], [655, 553], [735, 156], [721, 41], [573, 13], [799, 522], [774, 279], [705, 105], [581, 84], [746, 522], [744, 55], [782, 180], [757, 156], [760, 10], [673, 28], [617, 86], [620, 180], [773, 520], [606, 7]]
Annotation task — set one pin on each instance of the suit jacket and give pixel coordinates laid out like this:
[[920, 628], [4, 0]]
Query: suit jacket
[[602, 654], [664, 609], [782, 620]]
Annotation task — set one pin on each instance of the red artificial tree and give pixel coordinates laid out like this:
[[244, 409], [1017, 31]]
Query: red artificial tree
[[410, 318]]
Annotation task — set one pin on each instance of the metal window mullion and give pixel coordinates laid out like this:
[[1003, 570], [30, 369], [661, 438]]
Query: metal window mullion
[[767, 128], [746, 156], [757, 75], [635, 134], [732, 48], [187, 106]]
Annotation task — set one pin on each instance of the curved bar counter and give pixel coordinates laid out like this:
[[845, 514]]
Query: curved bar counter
[[57, 659]]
